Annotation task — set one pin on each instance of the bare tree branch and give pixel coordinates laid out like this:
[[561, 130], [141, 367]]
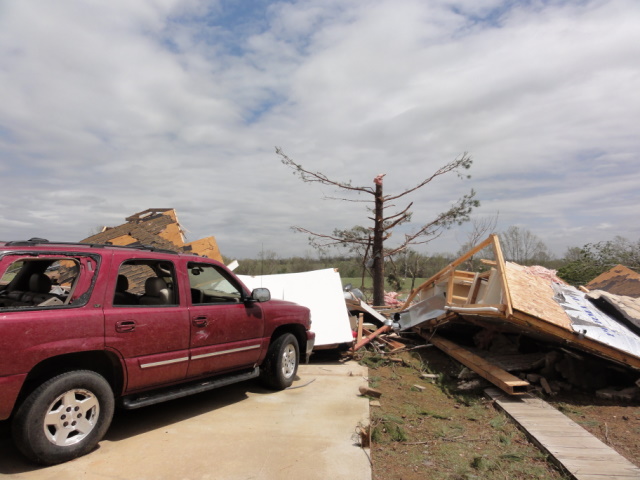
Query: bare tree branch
[[402, 213], [463, 162], [319, 177], [346, 199]]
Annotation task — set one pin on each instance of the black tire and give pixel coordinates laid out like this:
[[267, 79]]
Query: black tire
[[281, 363], [64, 418]]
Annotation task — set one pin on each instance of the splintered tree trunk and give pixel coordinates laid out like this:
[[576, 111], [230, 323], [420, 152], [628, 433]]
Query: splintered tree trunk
[[377, 252]]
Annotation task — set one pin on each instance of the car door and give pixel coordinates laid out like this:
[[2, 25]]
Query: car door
[[226, 332], [150, 329]]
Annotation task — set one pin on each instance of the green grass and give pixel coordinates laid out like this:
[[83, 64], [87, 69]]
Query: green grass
[[388, 429]]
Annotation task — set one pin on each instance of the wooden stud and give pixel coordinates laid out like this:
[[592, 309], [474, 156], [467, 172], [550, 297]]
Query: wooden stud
[[499, 377], [360, 325], [506, 295]]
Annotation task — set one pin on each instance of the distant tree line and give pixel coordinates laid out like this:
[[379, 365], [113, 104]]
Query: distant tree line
[[583, 264], [578, 266]]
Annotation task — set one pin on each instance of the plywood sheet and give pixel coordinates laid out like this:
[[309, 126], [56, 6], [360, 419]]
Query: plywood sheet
[[533, 295], [207, 247]]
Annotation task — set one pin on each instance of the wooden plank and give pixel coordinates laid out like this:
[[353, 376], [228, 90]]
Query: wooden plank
[[452, 275], [501, 267], [491, 263], [459, 299], [475, 288], [360, 326], [534, 296], [572, 447], [395, 346], [500, 378], [448, 269]]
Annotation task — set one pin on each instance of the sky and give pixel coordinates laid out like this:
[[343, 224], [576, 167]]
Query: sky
[[111, 108]]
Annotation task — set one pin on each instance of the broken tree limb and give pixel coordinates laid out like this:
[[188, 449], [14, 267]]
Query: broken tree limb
[[367, 339]]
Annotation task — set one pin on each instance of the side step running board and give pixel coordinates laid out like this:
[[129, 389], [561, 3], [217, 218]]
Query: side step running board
[[130, 402]]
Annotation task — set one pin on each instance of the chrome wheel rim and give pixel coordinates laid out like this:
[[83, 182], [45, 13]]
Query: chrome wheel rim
[[71, 417], [288, 361]]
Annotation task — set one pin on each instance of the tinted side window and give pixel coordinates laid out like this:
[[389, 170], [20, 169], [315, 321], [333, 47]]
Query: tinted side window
[[211, 285], [146, 282]]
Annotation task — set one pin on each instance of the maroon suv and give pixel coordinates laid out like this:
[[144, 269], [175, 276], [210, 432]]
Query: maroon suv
[[83, 327]]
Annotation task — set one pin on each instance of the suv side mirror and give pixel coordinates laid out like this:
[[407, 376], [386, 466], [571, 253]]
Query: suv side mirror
[[260, 295]]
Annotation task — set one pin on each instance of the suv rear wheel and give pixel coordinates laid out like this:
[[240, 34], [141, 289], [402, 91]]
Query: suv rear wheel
[[64, 418], [281, 364]]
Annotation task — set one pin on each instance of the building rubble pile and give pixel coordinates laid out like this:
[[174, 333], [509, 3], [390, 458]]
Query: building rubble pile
[[519, 328]]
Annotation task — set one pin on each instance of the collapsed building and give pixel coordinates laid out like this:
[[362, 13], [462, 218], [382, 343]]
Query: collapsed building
[[506, 308]]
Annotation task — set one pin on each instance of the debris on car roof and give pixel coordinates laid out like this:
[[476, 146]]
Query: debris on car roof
[[158, 227]]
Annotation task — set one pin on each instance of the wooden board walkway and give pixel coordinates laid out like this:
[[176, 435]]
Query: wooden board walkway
[[571, 446]]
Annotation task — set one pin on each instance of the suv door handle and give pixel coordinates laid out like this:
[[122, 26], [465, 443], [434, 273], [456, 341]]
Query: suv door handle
[[125, 326], [200, 321]]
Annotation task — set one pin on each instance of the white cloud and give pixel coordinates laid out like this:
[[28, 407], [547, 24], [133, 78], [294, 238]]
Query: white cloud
[[109, 108]]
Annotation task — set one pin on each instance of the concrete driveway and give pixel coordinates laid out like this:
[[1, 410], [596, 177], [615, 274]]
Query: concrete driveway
[[237, 432]]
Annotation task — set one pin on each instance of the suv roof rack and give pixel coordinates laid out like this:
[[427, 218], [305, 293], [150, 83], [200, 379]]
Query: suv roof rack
[[40, 241]]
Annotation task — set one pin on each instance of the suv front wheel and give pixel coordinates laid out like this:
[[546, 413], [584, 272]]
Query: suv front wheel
[[64, 418], [281, 364]]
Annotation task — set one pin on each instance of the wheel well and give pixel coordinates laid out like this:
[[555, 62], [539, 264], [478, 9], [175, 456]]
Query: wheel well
[[298, 331], [101, 362]]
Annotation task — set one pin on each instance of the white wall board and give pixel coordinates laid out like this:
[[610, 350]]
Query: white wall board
[[318, 290]]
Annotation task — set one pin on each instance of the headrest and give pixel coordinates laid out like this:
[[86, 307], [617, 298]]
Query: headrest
[[154, 286], [39, 283], [122, 284]]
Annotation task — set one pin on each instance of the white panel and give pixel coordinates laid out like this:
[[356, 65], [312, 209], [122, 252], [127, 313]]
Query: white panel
[[318, 290], [588, 320]]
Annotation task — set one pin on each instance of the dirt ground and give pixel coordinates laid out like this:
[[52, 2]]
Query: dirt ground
[[423, 428]]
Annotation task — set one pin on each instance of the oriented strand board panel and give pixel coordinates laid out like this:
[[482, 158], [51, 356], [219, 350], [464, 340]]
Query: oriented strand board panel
[[173, 233], [533, 295], [207, 247]]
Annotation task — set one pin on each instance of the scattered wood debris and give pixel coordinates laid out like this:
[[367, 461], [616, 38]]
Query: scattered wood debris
[[499, 377], [370, 392], [507, 320]]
